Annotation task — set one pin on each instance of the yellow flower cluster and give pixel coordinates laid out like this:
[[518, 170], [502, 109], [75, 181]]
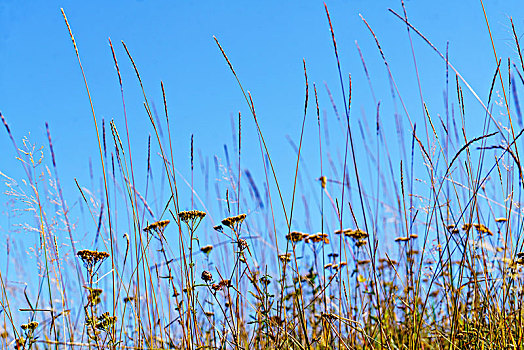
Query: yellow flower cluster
[[232, 221], [31, 326], [91, 257], [190, 215], [296, 236], [156, 226]]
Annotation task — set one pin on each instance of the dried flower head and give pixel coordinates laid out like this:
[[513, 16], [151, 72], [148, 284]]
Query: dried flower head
[[402, 239], [31, 326], [361, 243], [358, 234], [105, 322], [94, 296], [285, 257], [156, 226], [129, 299], [91, 258], [296, 236], [467, 227], [501, 219], [483, 229], [265, 280], [206, 249], [207, 276], [318, 237], [323, 181], [242, 244], [233, 221], [224, 283], [218, 228], [191, 215], [519, 259]]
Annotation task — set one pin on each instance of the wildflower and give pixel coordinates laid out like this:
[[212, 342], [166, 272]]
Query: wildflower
[[242, 244], [467, 227], [216, 287], [206, 249], [345, 231], [105, 322], [225, 283], [191, 215], [323, 181], [296, 236], [94, 296], [285, 257], [520, 259], [232, 221], [91, 258], [358, 234], [361, 243], [156, 226], [319, 237], [355, 234], [482, 229], [129, 299], [218, 228], [401, 239], [207, 276], [265, 280]]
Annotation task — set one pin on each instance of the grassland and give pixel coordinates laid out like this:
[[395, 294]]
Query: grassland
[[421, 257]]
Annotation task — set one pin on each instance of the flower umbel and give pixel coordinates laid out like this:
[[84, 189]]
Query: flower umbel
[[192, 218], [233, 221], [92, 259]]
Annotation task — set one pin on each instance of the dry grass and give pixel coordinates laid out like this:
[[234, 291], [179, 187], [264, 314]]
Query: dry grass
[[398, 256]]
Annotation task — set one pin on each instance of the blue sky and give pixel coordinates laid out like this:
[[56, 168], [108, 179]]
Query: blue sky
[[40, 80]]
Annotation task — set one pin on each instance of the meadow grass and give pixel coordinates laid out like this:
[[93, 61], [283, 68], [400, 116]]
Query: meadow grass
[[420, 258]]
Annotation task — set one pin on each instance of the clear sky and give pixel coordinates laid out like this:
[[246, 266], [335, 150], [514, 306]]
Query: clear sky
[[266, 41]]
